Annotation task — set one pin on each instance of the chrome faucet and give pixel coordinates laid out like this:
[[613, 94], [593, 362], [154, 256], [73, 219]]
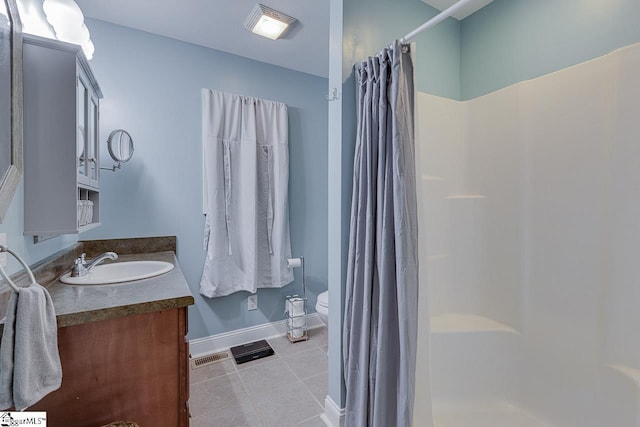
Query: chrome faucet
[[81, 266]]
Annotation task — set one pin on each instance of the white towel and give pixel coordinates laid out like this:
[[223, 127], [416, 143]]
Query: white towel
[[29, 360]]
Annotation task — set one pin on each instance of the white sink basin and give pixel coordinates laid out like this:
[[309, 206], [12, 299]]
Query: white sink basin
[[119, 272]]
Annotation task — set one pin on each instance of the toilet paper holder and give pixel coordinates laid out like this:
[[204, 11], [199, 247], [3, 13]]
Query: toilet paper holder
[[296, 307]]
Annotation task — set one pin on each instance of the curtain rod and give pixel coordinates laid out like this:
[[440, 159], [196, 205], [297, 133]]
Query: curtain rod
[[435, 20]]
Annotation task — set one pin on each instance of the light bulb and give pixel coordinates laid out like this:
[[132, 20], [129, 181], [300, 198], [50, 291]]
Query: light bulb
[[88, 48], [269, 27], [62, 12], [76, 34]]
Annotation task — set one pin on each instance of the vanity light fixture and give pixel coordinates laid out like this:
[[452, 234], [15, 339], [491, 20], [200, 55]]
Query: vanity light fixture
[[268, 22], [67, 21]]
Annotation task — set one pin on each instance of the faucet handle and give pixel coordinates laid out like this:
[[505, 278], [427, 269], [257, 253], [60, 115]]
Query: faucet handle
[[79, 268]]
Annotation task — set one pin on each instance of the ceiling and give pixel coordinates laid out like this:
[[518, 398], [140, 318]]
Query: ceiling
[[219, 24], [465, 11]]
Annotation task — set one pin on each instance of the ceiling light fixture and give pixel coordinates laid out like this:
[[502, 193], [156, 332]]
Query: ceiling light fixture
[[67, 21], [268, 22]]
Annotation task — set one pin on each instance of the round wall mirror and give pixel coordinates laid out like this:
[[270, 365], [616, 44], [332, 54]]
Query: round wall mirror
[[120, 146]]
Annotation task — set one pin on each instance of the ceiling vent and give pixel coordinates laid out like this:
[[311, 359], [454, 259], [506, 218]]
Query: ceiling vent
[[268, 22]]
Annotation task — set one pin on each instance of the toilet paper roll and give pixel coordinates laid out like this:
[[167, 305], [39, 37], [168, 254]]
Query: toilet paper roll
[[296, 322], [295, 307], [294, 262]]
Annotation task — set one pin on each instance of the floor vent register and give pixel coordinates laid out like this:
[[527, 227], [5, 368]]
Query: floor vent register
[[201, 361]]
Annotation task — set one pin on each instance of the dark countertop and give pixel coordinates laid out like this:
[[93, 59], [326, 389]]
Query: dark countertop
[[75, 305], [88, 303]]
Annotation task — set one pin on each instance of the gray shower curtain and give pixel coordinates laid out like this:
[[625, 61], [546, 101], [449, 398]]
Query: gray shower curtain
[[381, 308]]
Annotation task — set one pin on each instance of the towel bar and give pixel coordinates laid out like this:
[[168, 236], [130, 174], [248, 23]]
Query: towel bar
[[21, 261]]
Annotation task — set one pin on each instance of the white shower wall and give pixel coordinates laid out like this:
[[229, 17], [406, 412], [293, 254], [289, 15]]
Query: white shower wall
[[531, 203], [472, 206]]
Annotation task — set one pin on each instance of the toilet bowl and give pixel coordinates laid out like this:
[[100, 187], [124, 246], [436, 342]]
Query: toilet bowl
[[322, 307]]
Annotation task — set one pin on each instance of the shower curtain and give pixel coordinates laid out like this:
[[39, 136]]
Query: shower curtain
[[381, 308], [246, 175]]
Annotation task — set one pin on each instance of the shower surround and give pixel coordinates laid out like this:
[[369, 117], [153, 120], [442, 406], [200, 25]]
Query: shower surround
[[531, 225]]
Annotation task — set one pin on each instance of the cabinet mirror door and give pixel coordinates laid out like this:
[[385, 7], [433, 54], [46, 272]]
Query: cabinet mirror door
[[92, 142], [81, 152]]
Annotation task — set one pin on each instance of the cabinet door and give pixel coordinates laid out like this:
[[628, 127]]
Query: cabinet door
[[82, 106], [93, 148], [122, 369]]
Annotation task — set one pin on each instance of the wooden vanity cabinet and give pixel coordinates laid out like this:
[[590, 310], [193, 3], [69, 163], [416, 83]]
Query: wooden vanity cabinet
[[132, 368]]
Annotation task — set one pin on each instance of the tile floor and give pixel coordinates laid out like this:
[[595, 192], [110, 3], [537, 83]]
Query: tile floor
[[286, 389]]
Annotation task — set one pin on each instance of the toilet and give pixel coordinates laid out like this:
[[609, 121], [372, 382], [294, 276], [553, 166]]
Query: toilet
[[322, 307]]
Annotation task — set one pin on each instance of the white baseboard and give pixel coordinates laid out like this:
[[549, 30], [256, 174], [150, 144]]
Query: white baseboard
[[220, 342], [333, 414]]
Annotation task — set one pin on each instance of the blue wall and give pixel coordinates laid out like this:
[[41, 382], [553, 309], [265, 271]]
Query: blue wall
[[370, 25], [514, 40], [152, 88]]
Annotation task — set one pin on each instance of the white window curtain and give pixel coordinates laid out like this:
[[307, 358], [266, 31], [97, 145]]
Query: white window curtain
[[246, 173]]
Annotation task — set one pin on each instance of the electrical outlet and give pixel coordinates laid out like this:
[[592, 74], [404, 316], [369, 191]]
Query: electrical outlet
[[252, 302], [3, 255]]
